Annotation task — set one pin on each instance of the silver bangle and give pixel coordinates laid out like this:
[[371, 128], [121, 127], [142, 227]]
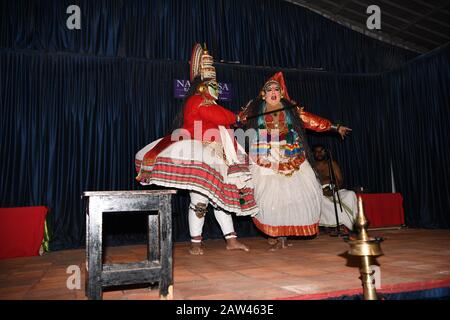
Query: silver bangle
[[335, 127]]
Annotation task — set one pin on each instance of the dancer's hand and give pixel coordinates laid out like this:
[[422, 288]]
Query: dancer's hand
[[241, 117], [343, 131]]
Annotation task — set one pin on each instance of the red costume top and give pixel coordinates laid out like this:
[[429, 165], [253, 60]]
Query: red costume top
[[207, 113], [211, 115]]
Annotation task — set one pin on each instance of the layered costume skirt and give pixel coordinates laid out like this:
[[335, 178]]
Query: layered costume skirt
[[202, 167], [289, 205]]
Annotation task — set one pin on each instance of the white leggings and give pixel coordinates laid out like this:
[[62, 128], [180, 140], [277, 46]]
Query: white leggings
[[196, 224]]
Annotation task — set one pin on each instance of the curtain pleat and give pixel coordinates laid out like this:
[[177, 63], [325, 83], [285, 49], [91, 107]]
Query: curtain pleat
[[418, 97]]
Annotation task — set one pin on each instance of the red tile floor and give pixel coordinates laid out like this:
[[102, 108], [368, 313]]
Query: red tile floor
[[310, 269]]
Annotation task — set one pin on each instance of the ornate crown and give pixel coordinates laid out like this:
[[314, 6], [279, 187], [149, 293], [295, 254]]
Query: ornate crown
[[202, 64]]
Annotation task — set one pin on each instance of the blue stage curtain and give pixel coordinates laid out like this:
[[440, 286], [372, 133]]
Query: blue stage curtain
[[419, 123], [254, 32], [71, 124]]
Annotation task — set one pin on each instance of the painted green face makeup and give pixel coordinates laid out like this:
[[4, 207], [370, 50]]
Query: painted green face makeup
[[213, 89]]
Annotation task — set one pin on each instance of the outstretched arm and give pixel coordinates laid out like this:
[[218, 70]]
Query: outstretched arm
[[319, 124], [314, 122]]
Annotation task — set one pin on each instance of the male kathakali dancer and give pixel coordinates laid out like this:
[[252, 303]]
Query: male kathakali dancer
[[203, 158], [287, 190]]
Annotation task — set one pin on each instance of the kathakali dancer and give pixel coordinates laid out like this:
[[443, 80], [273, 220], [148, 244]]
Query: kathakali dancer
[[287, 190], [203, 158]]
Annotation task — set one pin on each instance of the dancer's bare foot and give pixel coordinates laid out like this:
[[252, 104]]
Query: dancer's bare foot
[[272, 241], [234, 244], [196, 249]]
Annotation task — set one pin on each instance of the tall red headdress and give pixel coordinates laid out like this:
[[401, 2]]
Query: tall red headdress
[[279, 78]]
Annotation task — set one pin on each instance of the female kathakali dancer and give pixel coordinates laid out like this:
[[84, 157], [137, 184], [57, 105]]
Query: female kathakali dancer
[[287, 190]]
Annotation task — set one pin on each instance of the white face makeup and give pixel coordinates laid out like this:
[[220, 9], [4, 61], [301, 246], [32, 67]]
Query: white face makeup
[[273, 94]]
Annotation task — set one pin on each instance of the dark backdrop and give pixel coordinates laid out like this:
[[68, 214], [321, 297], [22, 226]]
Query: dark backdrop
[[77, 105]]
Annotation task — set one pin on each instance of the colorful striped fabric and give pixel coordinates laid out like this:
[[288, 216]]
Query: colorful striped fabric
[[200, 177]]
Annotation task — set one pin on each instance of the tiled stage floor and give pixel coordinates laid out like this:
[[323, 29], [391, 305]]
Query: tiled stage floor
[[314, 268]]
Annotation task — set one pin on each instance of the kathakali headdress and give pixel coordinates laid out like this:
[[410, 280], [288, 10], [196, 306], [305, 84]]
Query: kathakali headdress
[[202, 64], [202, 67]]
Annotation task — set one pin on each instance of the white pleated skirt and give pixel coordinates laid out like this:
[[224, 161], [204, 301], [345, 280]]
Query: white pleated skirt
[[288, 206]]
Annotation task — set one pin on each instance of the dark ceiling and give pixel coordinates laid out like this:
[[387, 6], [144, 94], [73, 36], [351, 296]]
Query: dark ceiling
[[418, 25]]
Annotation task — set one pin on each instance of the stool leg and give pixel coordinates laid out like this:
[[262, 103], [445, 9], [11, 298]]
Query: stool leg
[[95, 255], [165, 240], [153, 248], [86, 278]]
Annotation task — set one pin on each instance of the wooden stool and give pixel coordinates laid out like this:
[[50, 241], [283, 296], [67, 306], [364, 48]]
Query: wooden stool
[[158, 267]]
